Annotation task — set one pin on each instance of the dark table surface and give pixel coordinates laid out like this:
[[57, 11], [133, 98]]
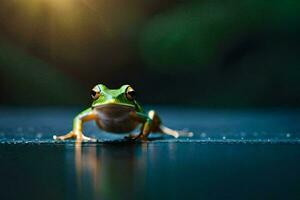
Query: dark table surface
[[234, 154]]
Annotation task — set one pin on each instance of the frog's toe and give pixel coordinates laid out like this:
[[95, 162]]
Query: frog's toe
[[70, 135], [60, 138], [55, 137], [185, 133], [86, 139]]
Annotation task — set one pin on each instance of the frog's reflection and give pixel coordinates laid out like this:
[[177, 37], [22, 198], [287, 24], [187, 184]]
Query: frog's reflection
[[87, 164], [109, 170]]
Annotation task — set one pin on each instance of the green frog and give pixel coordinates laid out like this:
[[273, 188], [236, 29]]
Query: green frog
[[117, 111]]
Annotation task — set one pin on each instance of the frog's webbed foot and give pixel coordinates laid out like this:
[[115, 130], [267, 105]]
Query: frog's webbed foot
[[72, 135]]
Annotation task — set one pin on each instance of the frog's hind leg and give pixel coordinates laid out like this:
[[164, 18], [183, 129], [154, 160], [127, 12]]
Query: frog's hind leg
[[154, 124], [158, 127], [151, 124], [175, 133], [168, 131]]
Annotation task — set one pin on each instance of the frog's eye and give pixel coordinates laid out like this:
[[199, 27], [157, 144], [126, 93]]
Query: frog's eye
[[95, 93], [130, 93]]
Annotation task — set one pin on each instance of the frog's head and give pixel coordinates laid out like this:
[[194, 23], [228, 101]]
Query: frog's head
[[123, 96]]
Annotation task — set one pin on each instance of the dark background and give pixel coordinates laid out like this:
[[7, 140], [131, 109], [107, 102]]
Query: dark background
[[206, 53], [210, 53]]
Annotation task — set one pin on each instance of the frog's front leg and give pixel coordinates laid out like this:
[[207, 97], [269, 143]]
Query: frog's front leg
[[78, 122]]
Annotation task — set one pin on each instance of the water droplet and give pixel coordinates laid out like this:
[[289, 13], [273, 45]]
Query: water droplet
[[224, 137], [288, 135]]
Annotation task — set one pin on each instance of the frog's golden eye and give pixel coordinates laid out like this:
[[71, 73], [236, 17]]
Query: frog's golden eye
[[130, 93], [95, 93]]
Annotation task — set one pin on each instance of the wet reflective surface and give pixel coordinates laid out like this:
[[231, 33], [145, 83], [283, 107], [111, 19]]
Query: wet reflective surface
[[233, 155]]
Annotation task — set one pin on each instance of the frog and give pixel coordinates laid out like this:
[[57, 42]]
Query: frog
[[117, 111]]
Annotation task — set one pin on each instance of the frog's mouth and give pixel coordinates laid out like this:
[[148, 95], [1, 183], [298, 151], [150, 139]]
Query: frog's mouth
[[113, 105]]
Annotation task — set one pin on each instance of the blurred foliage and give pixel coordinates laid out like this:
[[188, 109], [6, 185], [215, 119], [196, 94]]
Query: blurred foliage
[[206, 52], [197, 33], [29, 80]]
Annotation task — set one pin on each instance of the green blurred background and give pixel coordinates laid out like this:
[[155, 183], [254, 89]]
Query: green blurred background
[[209, 53]]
